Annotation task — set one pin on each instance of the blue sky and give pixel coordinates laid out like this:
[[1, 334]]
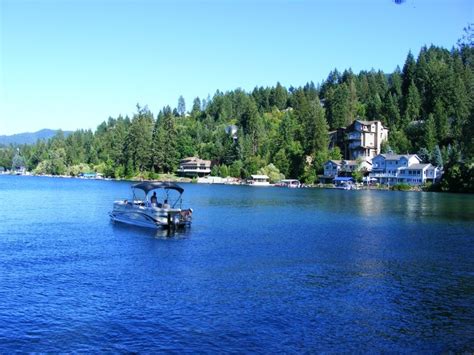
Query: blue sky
[[71, 64]]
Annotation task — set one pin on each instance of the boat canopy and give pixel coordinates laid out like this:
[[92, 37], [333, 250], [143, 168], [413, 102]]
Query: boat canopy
[[147, 186]]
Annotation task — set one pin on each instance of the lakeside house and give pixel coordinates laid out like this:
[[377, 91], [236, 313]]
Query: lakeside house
[[361, 139], [387, 169], [407, 169], [259, 180], [335, 168], [194, 167]]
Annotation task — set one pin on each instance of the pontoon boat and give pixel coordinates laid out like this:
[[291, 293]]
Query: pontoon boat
[[147, 209]]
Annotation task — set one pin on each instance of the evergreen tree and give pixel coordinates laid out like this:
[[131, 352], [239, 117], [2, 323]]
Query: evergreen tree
[[390, 114], [165, 150], [429, 137], [181, 106], [396, 83], [279, 97], [138, 143], [412, 104], [408, 73], [441, 120], [437, 159], [424, 155], [196, 107], [338, 106]]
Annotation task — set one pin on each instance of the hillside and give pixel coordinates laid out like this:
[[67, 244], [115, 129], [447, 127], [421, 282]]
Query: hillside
[[29, 138]]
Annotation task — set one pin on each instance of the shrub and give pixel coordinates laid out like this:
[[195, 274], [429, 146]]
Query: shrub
[[401, 187]]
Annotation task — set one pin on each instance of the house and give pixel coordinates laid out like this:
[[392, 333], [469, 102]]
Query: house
[[364, 138], [408, 169], [259, 180], [194, 166], [334, 168]]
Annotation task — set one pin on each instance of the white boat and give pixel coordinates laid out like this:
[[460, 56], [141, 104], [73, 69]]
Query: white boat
[[147, 209], [347, 186], [291, 183]]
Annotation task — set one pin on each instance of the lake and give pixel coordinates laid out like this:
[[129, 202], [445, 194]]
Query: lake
[[261, 270]]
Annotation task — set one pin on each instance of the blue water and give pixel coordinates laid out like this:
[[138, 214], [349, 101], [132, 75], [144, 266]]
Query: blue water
[[261, 270]]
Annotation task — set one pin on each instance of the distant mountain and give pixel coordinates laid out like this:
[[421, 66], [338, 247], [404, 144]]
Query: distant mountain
[[30, 138]]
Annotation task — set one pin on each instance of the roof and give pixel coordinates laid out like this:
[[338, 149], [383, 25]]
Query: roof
[[147, 186], [389, 156], [350, 162], [367, 123], [194, 159], [417, 166], [337, 162]]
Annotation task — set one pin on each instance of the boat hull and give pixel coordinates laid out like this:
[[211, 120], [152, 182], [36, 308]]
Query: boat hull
[[150, 217]]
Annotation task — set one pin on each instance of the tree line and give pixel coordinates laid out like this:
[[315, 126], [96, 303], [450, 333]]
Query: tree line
[[427, 106]]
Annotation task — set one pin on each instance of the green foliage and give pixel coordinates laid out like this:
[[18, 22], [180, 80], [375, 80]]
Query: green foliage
[[18, 161], [215, 170], [223, 171], [75, 170], [358, 175], [399, 142], [458, 178], [437, 158], [401, 187], [235, 170], [272, 172]]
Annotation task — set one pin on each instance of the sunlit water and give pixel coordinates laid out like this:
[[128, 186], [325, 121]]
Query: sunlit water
[[261, 270]]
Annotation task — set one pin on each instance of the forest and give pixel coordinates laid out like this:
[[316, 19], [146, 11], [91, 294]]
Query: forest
[[427, 105]]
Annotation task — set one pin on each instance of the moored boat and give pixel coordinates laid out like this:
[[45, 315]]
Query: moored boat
[[147, 209]]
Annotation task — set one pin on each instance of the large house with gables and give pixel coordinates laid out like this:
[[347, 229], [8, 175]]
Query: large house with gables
[[361, 139], [395, 169]]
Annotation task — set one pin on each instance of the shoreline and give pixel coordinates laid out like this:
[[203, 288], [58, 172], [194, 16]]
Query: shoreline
[[177, 179]]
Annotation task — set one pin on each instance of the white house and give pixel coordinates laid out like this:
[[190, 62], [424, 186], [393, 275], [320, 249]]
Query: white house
[[259, 180], [395, 169], [333, 168], [194, 166]]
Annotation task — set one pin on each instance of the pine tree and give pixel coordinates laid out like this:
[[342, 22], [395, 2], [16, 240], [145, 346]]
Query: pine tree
[[279, 97], [196, 107], [412, 104], [441, 120], [139, 141], [181, 106], [165, 150], [339, 106], [437, 159], [390, 114], [429, 136], [408, 73]]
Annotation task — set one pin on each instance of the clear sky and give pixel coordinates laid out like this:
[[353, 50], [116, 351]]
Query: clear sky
[[71, 64]]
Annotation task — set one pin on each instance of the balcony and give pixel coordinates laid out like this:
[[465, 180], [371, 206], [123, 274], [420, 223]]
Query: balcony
[[383, 175]]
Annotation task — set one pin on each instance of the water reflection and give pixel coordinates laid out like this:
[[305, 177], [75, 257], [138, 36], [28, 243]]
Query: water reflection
[[159, 233]]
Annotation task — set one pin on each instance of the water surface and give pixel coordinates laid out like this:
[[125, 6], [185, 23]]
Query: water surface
[[262, 269]]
